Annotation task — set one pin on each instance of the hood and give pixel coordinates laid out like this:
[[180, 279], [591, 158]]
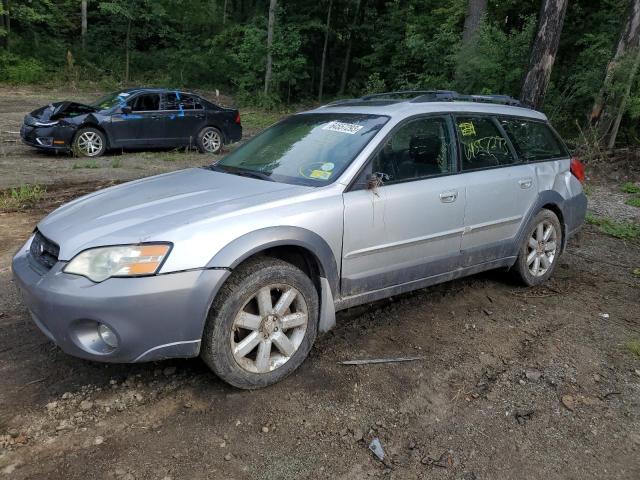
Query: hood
[[149, 209], [57, 110]]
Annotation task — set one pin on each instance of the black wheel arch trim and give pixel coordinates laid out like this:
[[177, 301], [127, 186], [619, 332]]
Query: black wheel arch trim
[[257, 241]]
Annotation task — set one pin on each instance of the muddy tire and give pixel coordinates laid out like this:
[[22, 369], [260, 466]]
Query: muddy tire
[[89, 142], [210, 140], [262, 324], [540, 249]]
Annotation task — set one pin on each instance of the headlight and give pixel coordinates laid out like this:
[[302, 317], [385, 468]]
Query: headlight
[[46, 124], [98, 264]]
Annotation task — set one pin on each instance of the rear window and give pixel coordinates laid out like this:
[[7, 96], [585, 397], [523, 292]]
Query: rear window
[[533, 140]]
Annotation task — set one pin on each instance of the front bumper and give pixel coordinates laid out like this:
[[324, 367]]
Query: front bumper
[[56, 138], [154, 317]]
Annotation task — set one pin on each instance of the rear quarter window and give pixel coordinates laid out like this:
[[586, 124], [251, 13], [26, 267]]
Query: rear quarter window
[[533, 140]]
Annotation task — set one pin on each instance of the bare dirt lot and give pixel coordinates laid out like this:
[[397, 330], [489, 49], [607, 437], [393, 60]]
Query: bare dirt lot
[[513, 383]]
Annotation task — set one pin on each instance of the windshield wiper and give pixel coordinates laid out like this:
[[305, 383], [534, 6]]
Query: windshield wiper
[[243, 172]]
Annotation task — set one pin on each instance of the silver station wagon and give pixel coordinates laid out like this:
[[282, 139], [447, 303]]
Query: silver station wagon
[[243, 262]]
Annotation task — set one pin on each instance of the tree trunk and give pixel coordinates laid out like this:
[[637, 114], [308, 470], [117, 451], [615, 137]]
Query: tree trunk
[[83, 22], [347, 55], [475, 13], [272, 22], [623, 103], [126, 52], [224, 12], [629, 39], [324, 51], [5, 23], [543, 53]]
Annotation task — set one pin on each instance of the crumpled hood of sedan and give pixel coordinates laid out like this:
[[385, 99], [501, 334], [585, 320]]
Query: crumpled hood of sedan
[[57, 110], [149, 209]]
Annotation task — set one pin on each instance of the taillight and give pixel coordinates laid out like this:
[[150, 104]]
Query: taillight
[[577, 169], [237, 120]]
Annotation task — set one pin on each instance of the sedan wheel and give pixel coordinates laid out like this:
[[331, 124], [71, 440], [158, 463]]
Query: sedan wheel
[[210, 140], [89, 143]]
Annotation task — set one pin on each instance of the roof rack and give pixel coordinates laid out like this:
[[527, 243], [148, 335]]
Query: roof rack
[[447, 96]]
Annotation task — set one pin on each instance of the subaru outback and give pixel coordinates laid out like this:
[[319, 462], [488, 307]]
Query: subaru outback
[[245, 261]]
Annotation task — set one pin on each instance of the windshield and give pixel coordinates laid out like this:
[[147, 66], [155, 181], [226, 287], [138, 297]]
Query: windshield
[[308, 149], [110, 100]]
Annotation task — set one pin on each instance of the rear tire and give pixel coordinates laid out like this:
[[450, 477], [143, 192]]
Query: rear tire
[[540, 249], [210, 140], [262, 324], [89, 142]]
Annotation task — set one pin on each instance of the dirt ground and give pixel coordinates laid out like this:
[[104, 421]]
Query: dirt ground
[[512, 383]]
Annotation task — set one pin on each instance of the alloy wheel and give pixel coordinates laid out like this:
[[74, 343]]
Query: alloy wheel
[[542, 248], [211, 141], [269, 328], [89, 144]]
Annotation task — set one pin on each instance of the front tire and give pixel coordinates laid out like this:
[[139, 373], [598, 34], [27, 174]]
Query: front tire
[[262, 325], [210, 140], [540, 249], [89, 142]]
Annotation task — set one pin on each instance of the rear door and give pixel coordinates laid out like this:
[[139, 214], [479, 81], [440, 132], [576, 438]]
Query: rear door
[[500, 189], [409, 227], [184, 117]]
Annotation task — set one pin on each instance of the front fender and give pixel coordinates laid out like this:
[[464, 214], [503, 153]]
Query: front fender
[[251, 243]]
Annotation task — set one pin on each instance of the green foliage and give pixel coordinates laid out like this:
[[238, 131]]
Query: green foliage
[[16, 70], [24, 196], [634, 347], [496, 62], [622, 230], [634, 201], [86, 164], [630, 187]]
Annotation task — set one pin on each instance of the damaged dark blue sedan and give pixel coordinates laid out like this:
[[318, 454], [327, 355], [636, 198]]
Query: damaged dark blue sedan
[[133, 118]]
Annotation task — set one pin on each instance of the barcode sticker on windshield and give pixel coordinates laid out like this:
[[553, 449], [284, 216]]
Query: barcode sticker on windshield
[[350, 128]]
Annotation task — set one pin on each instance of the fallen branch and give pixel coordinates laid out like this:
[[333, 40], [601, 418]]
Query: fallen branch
[[380, 360]]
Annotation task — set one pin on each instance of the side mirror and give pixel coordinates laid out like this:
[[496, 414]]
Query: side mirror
[[377, 179], [126, 110]]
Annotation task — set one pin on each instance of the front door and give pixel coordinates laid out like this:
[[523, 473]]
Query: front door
[[142, 126], [409, 227]]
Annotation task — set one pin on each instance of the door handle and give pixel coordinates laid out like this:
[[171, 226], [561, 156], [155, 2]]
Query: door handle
[[525, 182], [448, 197]]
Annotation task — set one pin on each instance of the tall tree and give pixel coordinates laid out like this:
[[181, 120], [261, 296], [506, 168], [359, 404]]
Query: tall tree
[[543, 52], [324, 51], [476, 10], [5, 24], [273, 4], [347, 54], [629, 39], [83, 22]]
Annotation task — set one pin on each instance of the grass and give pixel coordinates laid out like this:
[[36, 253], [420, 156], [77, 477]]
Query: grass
[[634, 347], [116, 162], [87, 164], [21, 197], [622, 230], [630, 187], [258, 120], [634, 201]]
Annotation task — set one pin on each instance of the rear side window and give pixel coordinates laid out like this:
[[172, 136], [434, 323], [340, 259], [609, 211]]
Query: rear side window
[[174, 100], [533, 140], [482, 144]]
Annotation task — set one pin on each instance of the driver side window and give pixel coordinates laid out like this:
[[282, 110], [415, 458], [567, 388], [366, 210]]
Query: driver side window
[[420, 149], [481, 143]]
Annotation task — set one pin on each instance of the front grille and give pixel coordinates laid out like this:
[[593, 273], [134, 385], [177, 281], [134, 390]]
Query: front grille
[[44, 251]]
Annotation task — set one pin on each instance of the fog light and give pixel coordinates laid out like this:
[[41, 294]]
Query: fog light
[[45, 141], [107, 335]]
